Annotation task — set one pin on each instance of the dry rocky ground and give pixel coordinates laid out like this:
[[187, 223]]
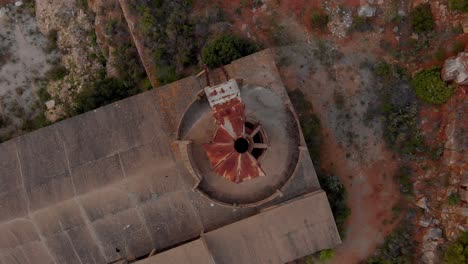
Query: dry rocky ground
[[24, 60]]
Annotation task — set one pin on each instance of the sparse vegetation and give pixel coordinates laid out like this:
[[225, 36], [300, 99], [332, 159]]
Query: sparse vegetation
[[421, 18], [101, 93], [309, 122], [57, 72], [319, 20], [326, 255], [458, 46], [52, 37], [400, 129], [403, 178], [168, 31], [337, 197], [457, 251], [227, 48], [458, 5], [398, 247], [361, 24], [453, 199], [430, 88], [335, 190]]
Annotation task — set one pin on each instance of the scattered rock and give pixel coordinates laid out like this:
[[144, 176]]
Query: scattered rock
[[18, 3], [50, 104], [433, 234], [425, 222], [456, 69], [428, 257], [366, 11], [401, 13], [422, 203], [415, 36], [395, 29], [465, 25], [463, 211]]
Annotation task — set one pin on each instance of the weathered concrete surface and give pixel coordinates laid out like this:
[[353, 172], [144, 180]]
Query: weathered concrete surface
[[105, 185], [277, 235]]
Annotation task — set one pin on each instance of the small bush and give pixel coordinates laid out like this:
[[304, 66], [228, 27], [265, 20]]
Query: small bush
[[309, 122], [101, 93], [361, 24], [400, 130], [35, 123], [403, 177], [458, 46], [326, 255], [439, 54], [337, 196], [57, 72], [52, 38], [458, 5], [453, 199], [225, 49], [398, 247], [457, 252], [319, 20], [421, 18], [430, 88]]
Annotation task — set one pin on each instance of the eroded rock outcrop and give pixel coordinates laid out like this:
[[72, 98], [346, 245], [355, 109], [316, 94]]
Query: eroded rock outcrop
[[456, 69]]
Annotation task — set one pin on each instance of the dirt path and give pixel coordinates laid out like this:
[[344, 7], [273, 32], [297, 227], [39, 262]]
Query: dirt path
[[340, 94]]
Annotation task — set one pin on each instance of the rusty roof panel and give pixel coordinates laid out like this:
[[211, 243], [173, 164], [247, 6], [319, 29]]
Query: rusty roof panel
[[229, 114]]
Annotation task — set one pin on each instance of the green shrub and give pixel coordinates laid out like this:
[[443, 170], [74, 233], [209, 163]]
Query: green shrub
[[337, 196], [101, 93], [332, 185], [361, 24], [168, 31], [459, 5], [403, 177], [326, 255], [57, 72], [439, 54], [319, 20], [458, 46], [227, 48], [309, 122], [457, 252], [453, 199], [34, 123], [400, 130], [430, 88], [52, 38], [398, 247], [421, 18]]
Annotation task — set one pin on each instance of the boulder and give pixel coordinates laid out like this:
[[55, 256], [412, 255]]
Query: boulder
[[465, 25], [50, 104], [433, 234], [422, 203], [425, 222], [456, 69], [366, 11]]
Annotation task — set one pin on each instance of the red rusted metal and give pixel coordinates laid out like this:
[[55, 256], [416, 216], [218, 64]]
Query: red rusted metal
[[229, 115]]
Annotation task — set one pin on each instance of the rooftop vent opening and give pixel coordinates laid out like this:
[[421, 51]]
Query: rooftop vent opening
[[241, 145], [256, 138]]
